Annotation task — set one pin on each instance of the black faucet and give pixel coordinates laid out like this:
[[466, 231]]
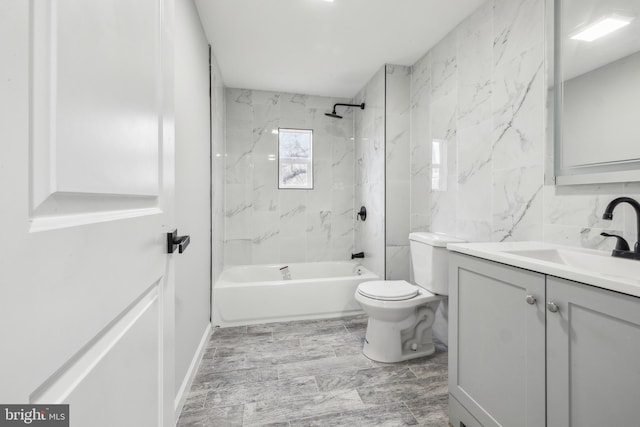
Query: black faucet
[[622, 247], [358, 255]]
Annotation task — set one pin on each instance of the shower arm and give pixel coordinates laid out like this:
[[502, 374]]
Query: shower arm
[[348, 105]]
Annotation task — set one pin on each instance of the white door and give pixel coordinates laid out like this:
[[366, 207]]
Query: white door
[[86, 186]]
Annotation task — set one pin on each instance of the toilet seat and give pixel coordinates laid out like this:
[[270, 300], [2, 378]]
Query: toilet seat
[[388, 290]]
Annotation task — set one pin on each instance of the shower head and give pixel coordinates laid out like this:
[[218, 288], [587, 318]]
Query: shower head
[[334, 115]]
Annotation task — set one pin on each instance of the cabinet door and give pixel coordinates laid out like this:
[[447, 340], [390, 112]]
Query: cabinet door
[[497, 342], [593, 356]]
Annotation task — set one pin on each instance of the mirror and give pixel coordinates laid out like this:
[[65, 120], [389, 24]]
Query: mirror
[[596, 53]]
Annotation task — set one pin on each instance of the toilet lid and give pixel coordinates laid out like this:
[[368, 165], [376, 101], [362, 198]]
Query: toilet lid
[[388, 290]]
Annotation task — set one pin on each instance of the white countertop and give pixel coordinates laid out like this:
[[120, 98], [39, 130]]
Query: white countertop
[[601, 269]]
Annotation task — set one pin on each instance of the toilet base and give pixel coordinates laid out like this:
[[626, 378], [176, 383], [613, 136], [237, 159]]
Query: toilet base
[[396, 341], [422, 351]]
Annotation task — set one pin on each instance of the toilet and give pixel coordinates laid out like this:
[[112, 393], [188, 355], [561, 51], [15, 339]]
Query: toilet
[[401, 314]]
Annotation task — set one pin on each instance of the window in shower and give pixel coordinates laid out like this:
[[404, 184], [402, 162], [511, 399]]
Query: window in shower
[[295, 158], [439, 165]]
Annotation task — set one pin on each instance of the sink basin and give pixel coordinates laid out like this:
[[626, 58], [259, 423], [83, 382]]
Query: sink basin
[[588, 266], [601, 263]]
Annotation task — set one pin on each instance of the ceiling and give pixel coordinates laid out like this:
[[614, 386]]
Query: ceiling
[[318, 47], [580, 57]]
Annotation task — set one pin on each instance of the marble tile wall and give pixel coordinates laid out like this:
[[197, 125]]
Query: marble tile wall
[[218, 150], [480, 93], [397, 181], [264, 224], [369, 132]]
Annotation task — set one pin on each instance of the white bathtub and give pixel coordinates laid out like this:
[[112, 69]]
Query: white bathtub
[[251, 294]]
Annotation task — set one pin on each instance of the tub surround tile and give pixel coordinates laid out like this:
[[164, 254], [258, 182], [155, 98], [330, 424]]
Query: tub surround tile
[[397, 213], [369, 135], [276, 221], [398, 262], [309, 372], [237, 252]]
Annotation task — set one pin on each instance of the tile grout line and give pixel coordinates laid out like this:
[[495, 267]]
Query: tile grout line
[[411, 412]]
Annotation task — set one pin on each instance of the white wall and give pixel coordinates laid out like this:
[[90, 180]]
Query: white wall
[[264, 224], [192, 186]]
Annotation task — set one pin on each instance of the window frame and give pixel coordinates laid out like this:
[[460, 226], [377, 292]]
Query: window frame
[[310, 162]]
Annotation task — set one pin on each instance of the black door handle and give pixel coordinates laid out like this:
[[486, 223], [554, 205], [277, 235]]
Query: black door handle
[[174, 240]]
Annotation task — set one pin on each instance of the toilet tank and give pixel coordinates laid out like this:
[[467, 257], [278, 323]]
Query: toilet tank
[[430, 260]]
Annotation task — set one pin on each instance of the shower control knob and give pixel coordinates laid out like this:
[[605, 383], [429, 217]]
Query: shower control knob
[[531, 299], [552, 307]]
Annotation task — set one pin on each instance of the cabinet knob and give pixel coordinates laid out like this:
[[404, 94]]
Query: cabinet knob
[[552, 307], [531, 299]]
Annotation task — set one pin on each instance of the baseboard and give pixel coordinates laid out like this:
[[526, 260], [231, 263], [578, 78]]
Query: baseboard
[[191, 372]]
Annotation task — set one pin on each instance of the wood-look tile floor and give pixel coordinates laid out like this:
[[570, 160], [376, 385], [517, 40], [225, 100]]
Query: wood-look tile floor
[[312, 373]]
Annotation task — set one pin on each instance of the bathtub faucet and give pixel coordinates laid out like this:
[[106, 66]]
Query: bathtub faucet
[[358, 255], [286, 274]]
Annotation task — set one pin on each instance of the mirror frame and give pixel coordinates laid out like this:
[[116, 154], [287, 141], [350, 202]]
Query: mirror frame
[[622, 171]]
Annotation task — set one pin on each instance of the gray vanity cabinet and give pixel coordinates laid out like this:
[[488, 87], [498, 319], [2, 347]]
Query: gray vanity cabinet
[[496, 344], [593, 356], [515, 360]]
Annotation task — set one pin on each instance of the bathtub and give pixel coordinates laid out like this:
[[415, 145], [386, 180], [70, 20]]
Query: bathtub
[[251, 294]]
